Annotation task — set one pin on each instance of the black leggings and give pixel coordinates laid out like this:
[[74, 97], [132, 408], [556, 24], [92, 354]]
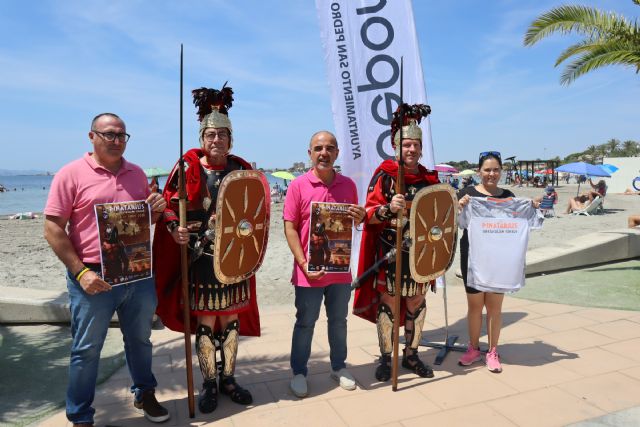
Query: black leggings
[[464, 260]]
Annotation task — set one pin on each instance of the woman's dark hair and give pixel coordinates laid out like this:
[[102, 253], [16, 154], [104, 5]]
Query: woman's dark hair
[[489, 155]]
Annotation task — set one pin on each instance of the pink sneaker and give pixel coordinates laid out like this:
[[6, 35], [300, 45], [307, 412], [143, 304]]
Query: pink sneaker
[[493, 361], [470, 356]]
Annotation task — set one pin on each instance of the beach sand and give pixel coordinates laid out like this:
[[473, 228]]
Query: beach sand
[[26, 260]]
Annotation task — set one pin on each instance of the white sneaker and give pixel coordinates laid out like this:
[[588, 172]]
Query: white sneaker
[[298, 386], [344, 378]]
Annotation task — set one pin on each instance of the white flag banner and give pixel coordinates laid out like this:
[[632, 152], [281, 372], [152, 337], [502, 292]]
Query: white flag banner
[[363, 42]]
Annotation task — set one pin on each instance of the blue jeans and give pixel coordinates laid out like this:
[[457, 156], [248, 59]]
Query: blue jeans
[[135, 304], [308, 301]]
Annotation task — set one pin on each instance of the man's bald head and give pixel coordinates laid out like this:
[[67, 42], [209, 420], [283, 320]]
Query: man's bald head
[[323, 150], [323, 134]]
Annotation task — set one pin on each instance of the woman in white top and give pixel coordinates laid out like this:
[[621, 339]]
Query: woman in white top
[[489, 170]]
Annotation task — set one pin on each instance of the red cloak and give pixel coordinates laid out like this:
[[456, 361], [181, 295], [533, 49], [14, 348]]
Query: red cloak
[[366, 299], [166, 260]]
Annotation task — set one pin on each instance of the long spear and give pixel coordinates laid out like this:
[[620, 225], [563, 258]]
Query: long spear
[[184, 266], [399, 224]]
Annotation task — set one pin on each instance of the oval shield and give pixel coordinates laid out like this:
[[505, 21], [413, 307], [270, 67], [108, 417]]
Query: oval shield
[[433, 229], [241, 226]]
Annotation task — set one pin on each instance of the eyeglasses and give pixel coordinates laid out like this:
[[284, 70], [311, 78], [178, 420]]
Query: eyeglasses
[[211, 136], [111, 136], [487, 154]]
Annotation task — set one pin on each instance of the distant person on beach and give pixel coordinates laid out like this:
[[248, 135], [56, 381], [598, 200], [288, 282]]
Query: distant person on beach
[[548, 200], [154, 186], [599, 189], [219, 311], [321, 184], [516, 180], [75, 190], [489, 169], [374, 299], [577, 203]]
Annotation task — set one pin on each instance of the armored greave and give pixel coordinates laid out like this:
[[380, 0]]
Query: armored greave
[[384, 323], [229, 348], [206, 352], [413, 326]]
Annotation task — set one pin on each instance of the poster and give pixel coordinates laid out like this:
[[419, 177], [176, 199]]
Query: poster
[[124, 230], [330, 234]]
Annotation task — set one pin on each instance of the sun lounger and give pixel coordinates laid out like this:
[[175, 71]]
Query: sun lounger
[[591, 208]]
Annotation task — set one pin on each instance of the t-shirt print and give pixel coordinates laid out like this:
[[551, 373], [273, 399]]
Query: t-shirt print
[[498, 236]]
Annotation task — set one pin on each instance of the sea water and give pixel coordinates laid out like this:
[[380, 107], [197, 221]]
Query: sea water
[[28, 193]]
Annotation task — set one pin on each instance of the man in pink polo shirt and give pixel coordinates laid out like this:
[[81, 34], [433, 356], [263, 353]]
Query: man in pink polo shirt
[[103, 176], [321, 184]]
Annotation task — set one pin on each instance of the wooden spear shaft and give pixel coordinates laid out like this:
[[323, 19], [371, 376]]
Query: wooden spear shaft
[[184, 264], [399, 223]]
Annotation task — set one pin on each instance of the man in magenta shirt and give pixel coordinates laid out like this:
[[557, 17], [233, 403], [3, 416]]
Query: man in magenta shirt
[[321, 184], [103, 176]]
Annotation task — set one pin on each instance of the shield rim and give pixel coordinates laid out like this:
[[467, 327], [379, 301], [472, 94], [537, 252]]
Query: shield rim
[[229, 178], [412, 231]]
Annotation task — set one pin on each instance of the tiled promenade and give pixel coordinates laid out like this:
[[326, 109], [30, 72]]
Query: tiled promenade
[[562, 364]]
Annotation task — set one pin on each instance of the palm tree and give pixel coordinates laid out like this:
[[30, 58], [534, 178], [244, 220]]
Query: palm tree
[[610, 39], [612, 146], [630, 148], [591, 152]]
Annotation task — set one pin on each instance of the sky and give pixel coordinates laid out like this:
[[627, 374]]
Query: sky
[[62, 62]]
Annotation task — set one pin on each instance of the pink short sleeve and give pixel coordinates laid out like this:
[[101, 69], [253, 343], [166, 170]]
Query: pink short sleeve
[[291, 210], [61, 195]]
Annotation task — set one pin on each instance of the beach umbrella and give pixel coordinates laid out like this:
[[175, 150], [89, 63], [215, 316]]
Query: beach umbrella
[[444, 168], [155, 171], [609, 168], [283, 175], [466, 172], [582, 168]]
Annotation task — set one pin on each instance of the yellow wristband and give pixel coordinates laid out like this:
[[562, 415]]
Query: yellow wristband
[[79, 275]]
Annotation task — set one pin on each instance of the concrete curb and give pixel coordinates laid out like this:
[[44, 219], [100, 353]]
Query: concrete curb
[[590, 249], [20, 305]]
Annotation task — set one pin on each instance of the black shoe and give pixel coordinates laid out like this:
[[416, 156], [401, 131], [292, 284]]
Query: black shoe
[[413, 363], [150, 407], [237, 394], [208, 399], [383, 371]]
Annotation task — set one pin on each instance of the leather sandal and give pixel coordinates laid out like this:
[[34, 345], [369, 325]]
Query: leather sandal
[[208, 399], [229, 387], [413, 363], [383, 371]]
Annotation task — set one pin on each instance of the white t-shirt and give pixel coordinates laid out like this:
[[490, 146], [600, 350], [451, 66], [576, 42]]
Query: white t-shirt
[[498, 235]]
